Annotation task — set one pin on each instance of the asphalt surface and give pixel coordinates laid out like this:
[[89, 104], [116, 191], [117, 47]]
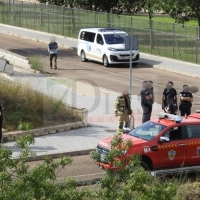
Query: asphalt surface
[[81, 169], [114, 78]]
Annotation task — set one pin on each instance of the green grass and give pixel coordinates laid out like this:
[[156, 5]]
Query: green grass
[[166, 18], [23, 106]]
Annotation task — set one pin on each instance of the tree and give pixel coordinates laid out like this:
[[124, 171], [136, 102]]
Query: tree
[[18, 182], [70, 3], [151, 6], [183, 10], [129, 6]]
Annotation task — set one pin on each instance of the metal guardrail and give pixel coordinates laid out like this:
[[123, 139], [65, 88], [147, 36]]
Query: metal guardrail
[[170, 40], [181, 170]]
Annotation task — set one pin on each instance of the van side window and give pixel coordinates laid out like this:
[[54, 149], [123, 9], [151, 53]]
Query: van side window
[[193, 131], [99, 39], [88, 36]]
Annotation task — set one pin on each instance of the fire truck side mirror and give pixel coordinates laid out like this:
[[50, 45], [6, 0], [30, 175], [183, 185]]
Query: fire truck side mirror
[[164, 139], [126, 130]]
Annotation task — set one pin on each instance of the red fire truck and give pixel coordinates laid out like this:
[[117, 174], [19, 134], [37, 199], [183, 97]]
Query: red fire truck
[[170, 143]]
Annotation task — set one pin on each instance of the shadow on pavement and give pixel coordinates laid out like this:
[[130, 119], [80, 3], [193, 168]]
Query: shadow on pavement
[[149, 62], [43, 51]]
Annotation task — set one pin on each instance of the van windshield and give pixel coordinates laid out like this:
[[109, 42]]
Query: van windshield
[[148, 130], [114, 38]]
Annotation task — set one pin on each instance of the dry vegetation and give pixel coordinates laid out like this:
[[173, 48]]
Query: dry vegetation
[[25, 105]]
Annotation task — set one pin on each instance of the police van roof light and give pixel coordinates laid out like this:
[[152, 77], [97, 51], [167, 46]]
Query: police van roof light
[[176, 118]]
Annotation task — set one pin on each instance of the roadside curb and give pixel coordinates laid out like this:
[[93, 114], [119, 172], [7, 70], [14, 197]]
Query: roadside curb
[[38, 36], [176, 71], [58, 155], [12, 136]]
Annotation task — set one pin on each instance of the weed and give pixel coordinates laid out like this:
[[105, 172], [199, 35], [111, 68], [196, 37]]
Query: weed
[[25, 126], [36, 63]]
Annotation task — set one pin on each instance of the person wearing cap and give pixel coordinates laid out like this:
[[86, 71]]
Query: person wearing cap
[[52, 49], [186, 100], [122, 111], [146, 100], [169, 91]]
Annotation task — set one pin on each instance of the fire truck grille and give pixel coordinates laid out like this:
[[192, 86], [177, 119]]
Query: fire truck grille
[[102, 151]]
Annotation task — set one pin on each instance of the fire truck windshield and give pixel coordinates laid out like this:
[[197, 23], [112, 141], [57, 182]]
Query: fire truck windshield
[[147, 131]]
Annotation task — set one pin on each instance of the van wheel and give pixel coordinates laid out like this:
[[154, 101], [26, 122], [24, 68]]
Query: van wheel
[[134, 64], [105, 61], [83, 57]]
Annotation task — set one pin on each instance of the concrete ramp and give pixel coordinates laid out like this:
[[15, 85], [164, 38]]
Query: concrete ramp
[[5, 67]]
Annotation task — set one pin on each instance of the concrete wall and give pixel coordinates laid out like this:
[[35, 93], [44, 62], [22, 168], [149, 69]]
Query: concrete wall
[[5, 67], [15, 59]]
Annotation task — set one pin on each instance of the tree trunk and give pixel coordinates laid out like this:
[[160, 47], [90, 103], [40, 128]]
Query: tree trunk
[[149, 11], [109, 17]]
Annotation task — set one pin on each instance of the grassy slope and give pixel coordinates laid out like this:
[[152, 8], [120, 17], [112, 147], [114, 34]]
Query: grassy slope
[[25, 105], [165, 18]]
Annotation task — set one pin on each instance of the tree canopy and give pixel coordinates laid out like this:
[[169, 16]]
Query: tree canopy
[[180, 10]]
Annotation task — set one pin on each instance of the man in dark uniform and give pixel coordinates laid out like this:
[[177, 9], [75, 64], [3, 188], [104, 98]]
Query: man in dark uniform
[[169, 91], [186, 99], [122, 111], [1, 121], [146, 101]]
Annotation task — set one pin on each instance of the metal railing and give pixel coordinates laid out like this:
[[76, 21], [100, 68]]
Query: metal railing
[[155, 37]]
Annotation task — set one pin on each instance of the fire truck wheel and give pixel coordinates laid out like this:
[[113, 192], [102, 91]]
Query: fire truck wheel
[[144, 165]]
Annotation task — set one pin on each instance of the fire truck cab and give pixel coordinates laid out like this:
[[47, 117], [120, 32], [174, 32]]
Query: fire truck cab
[[164, 143]]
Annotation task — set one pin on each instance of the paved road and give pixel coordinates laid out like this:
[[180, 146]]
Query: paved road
[[82, 168], [114, 78]]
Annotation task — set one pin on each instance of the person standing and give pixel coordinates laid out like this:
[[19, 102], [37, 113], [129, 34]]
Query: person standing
[[146, 101], [186, 100], [52, 49], [169, 91], [1, 121], [122, 111]]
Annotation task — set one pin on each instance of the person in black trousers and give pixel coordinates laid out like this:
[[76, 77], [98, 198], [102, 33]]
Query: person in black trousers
[[186, 100], [146, 101], [169, 91]]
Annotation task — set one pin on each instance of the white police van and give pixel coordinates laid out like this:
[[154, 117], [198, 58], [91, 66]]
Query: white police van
[[105, 45]]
